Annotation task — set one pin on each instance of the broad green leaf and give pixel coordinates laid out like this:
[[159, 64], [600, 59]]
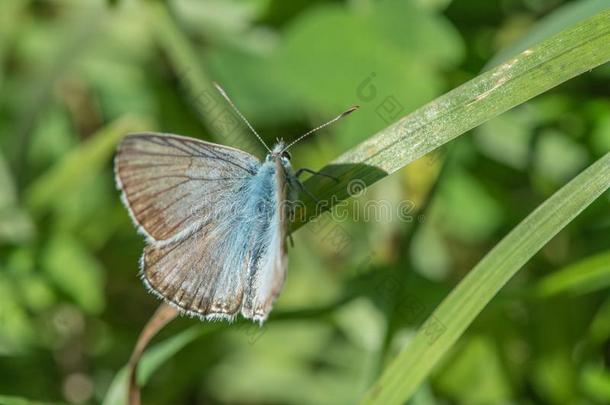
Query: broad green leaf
[[595, 381], [453, 316], [16, 329], [75, 272]]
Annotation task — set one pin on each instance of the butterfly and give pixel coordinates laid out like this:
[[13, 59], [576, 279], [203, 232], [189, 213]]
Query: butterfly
[[215, 220]]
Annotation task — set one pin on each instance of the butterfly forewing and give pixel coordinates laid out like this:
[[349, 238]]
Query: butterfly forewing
[[170, 183]]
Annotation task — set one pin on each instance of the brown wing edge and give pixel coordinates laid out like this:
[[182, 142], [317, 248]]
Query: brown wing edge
[[119, 185]]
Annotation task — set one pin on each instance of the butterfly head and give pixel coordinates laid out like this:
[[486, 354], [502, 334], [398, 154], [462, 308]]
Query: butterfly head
[[279, 152]]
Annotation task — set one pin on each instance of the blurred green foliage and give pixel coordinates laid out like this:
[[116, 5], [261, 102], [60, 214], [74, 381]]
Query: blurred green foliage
[[77, 75]]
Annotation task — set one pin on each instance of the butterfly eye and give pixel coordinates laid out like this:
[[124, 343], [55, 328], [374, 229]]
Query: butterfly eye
[[286, 155]]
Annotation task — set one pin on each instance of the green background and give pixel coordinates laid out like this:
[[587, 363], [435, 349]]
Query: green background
[[77, 75]]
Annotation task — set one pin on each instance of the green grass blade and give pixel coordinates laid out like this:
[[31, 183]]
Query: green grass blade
[[15, 225], [117, 391], [81, 163], [590, 274], [203, 97], [157, 355], [11, 400], [160, 353], [447, 323], [152, 359], [564, 17], [39, 91], [529, 74], [10, 13], [181, 54]]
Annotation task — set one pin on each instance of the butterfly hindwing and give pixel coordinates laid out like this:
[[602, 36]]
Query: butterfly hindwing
[[191, 275]]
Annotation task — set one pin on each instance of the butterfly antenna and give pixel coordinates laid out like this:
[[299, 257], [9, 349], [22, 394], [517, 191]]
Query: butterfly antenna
[[226, 97], [338, 117]]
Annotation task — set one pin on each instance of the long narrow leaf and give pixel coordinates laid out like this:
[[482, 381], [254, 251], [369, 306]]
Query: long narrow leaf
[[530, 73], [11, 400], [213, 111], [449, 321], [151, 361], [565, 16], [590, 274]]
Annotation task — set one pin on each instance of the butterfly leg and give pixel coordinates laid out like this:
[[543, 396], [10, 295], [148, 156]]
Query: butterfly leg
[[291, 240], [302, 170]]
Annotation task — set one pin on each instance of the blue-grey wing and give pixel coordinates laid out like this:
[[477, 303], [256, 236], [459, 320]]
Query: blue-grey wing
[[172, 185], [234, 263]]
